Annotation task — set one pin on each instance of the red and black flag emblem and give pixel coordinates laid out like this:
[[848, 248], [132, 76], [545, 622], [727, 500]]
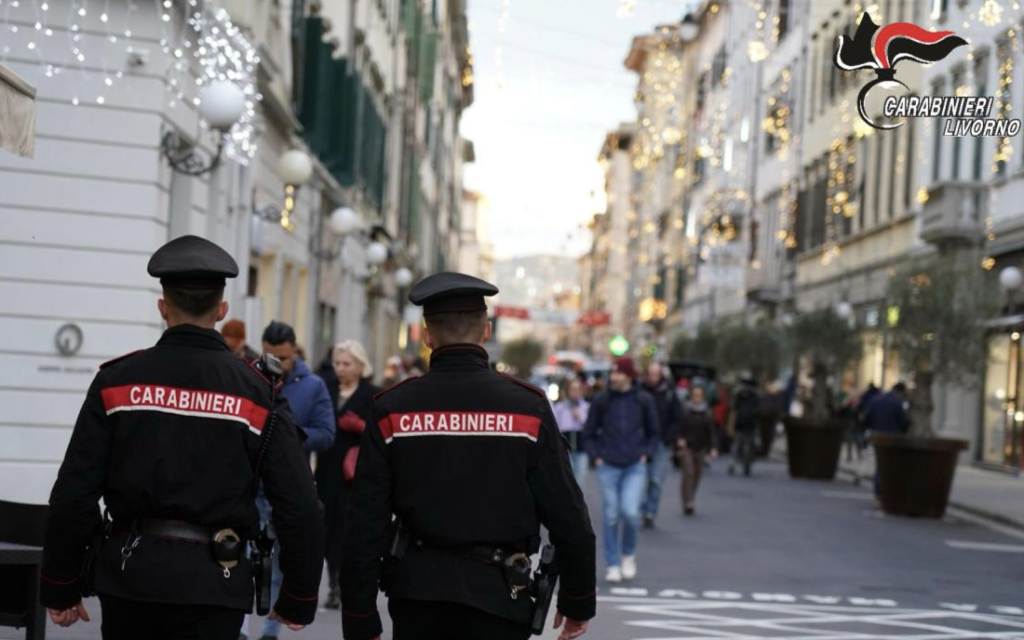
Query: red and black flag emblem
[[878, 48]]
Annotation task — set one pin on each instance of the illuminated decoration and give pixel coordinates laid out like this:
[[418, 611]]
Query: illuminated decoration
[[988, 263], [627, 9], [201, 39], [618, 346], [922, 195], [1004, 100], [892, 316], [991, 13], [652, 309]]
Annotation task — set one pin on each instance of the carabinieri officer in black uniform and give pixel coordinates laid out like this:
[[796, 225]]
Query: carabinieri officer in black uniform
[[471, 463], [169, 438]]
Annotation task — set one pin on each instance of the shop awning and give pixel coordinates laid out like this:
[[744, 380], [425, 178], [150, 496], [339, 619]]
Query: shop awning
[[17, 114]]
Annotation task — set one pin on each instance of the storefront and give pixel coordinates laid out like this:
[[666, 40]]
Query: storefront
[[1003, 398]]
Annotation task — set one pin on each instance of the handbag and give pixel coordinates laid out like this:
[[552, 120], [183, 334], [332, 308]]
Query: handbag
[[348, 466]]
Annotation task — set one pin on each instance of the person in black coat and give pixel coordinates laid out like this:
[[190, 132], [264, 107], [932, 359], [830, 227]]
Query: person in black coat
[[353, 394]]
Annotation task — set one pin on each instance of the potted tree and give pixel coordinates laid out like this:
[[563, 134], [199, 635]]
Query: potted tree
[[754, 349], [827, 342], [934, 327]]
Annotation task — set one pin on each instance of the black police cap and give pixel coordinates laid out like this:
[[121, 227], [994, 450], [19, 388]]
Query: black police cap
[[191, 262], [451, 292]]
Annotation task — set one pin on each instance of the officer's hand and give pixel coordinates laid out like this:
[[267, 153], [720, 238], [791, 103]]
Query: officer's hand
[[573, 628], [70, 616], [290, 625], [598, 462]]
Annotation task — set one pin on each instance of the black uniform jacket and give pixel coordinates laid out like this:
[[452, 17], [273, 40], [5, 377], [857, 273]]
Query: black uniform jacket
[[465, 457], [172, 433]]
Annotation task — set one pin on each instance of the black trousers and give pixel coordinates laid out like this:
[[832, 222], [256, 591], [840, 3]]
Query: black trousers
[[131, 620], [422, 620]]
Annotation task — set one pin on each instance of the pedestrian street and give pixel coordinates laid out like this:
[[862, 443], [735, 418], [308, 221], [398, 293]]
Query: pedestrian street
[[772, 557]]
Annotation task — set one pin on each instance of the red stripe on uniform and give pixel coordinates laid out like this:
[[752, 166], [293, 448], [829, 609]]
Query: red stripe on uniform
[[459, 423], [188, 402]]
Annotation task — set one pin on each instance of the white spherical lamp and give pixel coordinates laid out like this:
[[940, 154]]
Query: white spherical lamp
[[295, 167], [343, 221], [689, 28], [376, 253], [403, 277], [1011, 278], [844, 309], [221, 104]]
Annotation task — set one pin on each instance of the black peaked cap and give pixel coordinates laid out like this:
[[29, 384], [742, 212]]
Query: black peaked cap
[[451, 292], [192, 262]]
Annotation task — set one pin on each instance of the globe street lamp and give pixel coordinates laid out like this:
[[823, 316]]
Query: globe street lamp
[[1010, 279], [296, 169], [376, 253], [343, 221], [221, 105], [403, 277], [689, 29]]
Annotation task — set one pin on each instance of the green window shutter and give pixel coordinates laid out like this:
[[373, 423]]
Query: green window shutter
[[427, 62]]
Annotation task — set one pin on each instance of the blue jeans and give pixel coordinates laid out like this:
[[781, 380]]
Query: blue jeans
[[579, 462], [657, 471], [270, 627], [622, 490]]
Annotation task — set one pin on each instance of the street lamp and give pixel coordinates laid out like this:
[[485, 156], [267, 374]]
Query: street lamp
[[295, 168], [376, 253], [689, 29], [1010, 279], [403, 277], [343, 221], [221, 104]]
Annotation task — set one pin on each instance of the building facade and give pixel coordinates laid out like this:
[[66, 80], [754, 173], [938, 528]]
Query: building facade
[[353, 86]]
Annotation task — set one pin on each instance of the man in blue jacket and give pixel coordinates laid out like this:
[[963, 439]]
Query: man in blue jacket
[[887, 413], [620, 436], [310, 402]]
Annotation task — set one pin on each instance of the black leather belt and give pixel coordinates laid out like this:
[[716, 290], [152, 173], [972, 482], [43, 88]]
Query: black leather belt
[[174, 529]]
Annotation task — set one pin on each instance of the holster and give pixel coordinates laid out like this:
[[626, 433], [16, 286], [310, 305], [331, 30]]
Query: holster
[[542, 590], [262, 559], [87, 582]]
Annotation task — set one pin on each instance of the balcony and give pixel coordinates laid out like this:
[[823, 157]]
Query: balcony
[[955, 213]]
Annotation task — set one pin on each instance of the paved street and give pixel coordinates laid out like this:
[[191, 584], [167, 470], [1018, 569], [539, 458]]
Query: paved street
[[769, 557]]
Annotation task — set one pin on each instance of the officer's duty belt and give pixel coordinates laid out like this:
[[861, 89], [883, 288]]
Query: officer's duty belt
[[487, 553], [174, 529]]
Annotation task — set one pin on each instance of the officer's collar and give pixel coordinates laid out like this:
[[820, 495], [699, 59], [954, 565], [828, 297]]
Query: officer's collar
[[458, 355], [193, 336]]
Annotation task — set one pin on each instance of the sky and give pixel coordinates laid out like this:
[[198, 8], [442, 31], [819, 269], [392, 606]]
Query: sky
[[549, 84]]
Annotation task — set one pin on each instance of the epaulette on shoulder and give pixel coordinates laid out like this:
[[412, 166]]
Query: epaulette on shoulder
[[524, 384], [394, 386], [120, 358]]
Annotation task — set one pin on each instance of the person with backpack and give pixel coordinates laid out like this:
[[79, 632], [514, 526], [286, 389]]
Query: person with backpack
[[746, 406], [620, 436]]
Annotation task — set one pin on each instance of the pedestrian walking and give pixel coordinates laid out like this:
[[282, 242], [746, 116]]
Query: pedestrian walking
[[353, 393], [696, 439], [234, 335], [620, 436], [887, 413], [743, 420], [571, 414], [311, 407], [771, 410], [174, 439], [669, 407], [471, 464]]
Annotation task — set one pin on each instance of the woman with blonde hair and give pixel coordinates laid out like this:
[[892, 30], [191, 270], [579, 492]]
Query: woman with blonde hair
[[336, 466]]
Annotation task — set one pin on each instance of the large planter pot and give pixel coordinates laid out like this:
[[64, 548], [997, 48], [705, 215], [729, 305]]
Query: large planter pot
[[813, 447], [916, 474]]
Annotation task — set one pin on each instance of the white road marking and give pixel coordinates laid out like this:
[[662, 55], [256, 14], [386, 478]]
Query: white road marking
[[731, 620], [985, 546]]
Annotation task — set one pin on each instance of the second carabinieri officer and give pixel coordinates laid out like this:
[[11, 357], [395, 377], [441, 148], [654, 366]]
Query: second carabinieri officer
[[170, 437], [471, 464]]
